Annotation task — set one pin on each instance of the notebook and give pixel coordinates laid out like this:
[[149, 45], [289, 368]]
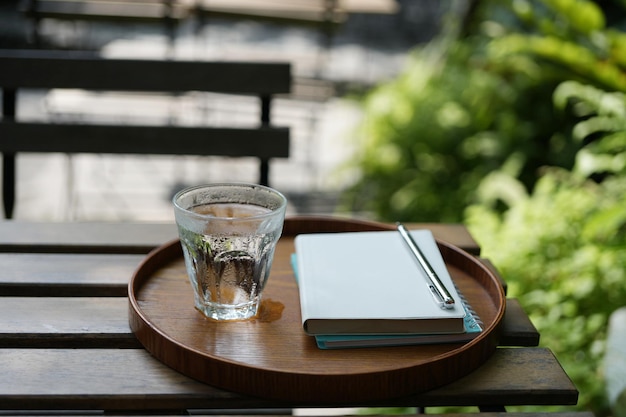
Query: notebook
[[368, 283], [473, 327]]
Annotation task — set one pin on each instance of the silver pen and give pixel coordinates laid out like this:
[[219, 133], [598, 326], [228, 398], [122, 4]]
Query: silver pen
[[435, 285]]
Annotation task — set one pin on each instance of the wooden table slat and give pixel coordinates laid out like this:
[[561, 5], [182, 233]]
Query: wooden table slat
[[529, 365], [87, 237], [518, 330], [130, 379], [65, 322], [64, 275], [103, 237], [60, 322]]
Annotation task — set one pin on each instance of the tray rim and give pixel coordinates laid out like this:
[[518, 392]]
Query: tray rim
[[482, 346]]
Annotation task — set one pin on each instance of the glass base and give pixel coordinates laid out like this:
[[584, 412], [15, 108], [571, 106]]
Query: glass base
[[221, 312]]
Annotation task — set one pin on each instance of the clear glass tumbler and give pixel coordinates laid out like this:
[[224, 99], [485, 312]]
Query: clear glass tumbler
[[228, 233]]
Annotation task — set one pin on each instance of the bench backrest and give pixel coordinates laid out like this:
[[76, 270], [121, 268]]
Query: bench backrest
[[37, 69]]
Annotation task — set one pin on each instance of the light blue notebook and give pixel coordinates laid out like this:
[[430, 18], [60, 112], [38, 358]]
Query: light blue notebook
[[473, 327]]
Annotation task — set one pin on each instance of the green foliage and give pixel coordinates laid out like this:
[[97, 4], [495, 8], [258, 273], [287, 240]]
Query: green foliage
[[563, 252], [603, 132], [562, 248], [431, 135], [465, 108], [403, 169]]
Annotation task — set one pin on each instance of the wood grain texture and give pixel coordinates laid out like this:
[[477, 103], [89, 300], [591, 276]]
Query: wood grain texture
[[520, 331], [120, 237], [275, 359], [131, 379], [98, 322], [455, 234], [61, 322], [84, 237], [62, 275]]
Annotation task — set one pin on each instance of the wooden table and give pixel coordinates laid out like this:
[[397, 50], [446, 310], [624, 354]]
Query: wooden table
[[65, 341]]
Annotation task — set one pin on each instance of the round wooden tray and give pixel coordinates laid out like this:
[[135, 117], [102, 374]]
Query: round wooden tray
[[270, 356]]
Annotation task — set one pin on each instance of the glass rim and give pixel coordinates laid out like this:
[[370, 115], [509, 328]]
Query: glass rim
[[251, 186]]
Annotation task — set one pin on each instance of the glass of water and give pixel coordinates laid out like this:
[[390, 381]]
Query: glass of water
[[228, 233]]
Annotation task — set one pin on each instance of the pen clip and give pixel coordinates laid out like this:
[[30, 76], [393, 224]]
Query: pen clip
[[442, 295], [436, 296]]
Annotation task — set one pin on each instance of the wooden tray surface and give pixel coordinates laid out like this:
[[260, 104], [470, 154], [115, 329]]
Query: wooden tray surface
[[270, 356]]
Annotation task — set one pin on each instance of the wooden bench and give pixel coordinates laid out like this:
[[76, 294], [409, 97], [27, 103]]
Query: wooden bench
[[170, 12], [167, 13], [55, 69], [332, 11], [135, 10]]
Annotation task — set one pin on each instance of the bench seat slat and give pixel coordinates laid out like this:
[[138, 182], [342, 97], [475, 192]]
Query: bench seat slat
[[263, 142], [103, 10], [78, 69]]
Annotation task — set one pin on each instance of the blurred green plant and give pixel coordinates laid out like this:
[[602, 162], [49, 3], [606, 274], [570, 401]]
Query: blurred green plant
[[562, 248], [563, 253], [602, 135], [432, 134], [465, 107]]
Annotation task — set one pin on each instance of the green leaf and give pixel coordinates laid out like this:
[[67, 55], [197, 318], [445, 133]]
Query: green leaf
[[600, 124], [602, 226]]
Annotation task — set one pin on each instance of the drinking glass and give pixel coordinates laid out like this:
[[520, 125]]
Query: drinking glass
[[228, 233]]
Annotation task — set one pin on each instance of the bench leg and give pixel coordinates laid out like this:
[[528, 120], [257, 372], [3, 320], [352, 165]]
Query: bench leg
[[492, 409], [9, 106], [264, 169], [264, 172], [8, 184]]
